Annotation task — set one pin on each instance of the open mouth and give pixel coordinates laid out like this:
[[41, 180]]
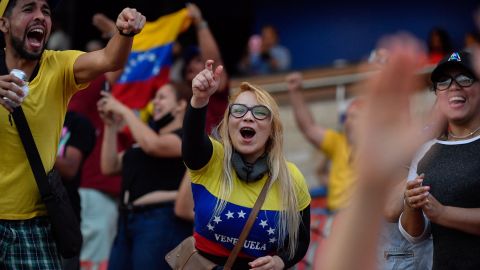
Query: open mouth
[[247, 132], [35, 37], [457, 100]]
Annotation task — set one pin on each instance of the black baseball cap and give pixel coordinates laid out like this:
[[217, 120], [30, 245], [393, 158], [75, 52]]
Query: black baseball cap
[[461, 59]]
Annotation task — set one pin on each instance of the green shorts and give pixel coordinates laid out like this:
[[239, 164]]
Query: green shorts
[[28, 244]]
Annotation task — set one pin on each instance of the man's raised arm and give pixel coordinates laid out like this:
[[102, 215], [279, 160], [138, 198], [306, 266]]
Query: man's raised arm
[[114, 56]]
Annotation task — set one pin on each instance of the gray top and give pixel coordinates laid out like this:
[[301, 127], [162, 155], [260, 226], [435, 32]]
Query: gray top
[[452, 170]]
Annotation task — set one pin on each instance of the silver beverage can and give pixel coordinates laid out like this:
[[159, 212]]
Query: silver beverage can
[[22, 76]]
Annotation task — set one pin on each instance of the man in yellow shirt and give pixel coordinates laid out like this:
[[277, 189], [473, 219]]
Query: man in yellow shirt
[[335, 145], [53, 77]]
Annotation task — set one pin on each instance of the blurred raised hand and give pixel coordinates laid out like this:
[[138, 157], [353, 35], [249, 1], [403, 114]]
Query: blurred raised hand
[[105, 25], [388, 135], [294, 81], [387, 139], [194, 13]]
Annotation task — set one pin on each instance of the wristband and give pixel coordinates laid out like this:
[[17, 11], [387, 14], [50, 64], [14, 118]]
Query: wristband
[[131, 34], [202, 24]]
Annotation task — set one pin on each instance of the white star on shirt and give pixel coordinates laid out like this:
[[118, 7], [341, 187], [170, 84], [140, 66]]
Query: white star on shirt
[[217, 219], [263, 223], [271, 231], [272, 240], [229, 214], [210, 227], [241, 214]]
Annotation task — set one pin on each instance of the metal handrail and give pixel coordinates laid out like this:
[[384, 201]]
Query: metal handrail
[[330, 81]]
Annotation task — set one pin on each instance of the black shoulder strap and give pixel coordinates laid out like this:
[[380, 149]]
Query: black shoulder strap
[[31, 151], [27, 138], [3, 64], [4, 68]]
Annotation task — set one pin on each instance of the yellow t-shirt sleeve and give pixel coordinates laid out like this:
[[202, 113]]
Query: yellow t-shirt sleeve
[[301, 188], [69, 58], [330, 143]]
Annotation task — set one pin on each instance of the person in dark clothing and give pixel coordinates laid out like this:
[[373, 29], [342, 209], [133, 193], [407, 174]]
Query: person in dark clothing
[[151, 174], [76, 143], [193, 59]]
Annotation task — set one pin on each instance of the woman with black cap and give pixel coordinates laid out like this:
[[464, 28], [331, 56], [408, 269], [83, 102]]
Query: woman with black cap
[[441, 199]]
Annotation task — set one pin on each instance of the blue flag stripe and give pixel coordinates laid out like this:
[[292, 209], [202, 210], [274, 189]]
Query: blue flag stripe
[[144, 65]]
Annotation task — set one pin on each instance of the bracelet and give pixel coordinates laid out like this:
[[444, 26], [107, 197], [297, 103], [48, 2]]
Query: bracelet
[[131, 34], [202, 24]]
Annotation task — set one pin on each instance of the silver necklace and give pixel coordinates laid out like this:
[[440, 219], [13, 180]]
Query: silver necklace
[[464, 136]]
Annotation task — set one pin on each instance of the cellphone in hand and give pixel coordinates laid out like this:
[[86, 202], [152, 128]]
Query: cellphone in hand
[[106, 87]]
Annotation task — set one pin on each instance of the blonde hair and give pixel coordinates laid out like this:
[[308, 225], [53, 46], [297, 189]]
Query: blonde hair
[[289, 218]]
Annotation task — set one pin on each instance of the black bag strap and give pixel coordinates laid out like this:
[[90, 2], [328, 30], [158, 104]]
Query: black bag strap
[[31, 151], [26, 136]]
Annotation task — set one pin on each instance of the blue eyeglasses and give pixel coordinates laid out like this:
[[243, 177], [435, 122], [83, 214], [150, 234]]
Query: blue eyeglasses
[[260, 112]]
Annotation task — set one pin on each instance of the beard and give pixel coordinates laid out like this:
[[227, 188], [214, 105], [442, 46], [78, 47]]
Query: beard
[[18, 46]]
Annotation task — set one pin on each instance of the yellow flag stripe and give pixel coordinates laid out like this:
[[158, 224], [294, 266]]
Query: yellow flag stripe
[[162, 31]]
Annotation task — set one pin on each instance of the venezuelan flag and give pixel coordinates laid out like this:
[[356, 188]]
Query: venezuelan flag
[[150, 60]]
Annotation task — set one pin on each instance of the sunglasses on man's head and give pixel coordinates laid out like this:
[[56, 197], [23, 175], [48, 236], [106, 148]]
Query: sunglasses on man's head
[[444, 82], [260, 112]]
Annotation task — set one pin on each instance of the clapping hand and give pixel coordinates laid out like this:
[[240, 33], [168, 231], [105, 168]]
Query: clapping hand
[[416, 194]]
